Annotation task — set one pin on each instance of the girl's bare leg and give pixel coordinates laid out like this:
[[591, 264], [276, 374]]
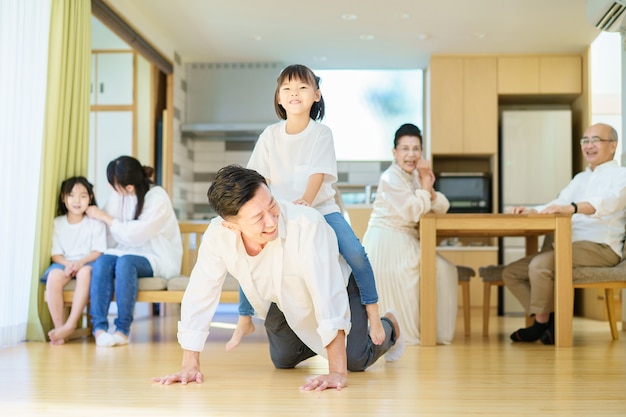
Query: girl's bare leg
[[81, 296], [54, 298], [245, 326]]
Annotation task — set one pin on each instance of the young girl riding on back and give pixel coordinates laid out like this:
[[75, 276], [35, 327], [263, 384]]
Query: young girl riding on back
[[297, 157], [77, 241]]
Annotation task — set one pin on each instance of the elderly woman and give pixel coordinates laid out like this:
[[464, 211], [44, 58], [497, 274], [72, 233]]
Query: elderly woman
[[405, 191]]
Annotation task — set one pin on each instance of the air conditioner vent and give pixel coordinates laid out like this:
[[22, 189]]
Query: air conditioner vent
[[612, 15]]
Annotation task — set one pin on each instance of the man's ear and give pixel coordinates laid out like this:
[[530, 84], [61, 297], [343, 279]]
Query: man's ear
[[230, 225]]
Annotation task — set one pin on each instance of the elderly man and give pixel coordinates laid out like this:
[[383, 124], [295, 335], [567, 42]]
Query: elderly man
[[287, 262], [596, 198]]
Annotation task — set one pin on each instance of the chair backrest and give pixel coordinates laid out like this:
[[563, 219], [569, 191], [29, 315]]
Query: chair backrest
[[192, 235]]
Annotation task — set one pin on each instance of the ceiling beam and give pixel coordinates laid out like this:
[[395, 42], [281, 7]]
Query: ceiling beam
[[118, 26]]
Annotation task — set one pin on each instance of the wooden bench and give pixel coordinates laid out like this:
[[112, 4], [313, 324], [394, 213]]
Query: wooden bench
[[161, 290]]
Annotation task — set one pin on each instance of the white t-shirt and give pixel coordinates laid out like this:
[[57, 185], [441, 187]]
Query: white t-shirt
[[288, 161], [605, 189], [77, 240]]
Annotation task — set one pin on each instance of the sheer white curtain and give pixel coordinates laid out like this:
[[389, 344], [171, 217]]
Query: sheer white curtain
[[24, 33]]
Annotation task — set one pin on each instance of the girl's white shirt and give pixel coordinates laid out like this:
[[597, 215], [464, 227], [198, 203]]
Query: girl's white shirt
[[155, 235], [76, 240], [288, 161]]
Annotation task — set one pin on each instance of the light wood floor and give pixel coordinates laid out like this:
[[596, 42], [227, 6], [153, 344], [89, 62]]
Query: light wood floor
[[473, 376]]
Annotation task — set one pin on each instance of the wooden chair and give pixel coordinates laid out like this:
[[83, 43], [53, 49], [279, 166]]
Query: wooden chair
[[491, 275], [465, 273], [607, 278]]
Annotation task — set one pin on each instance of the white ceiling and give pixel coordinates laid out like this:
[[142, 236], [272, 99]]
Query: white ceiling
[[404, 33]]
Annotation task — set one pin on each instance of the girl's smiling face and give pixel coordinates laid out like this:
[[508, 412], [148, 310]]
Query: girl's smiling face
[[297, 96], [407, 152], [77, 200]]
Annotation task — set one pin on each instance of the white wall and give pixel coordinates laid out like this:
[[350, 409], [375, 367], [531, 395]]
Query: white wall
[[606, 84]]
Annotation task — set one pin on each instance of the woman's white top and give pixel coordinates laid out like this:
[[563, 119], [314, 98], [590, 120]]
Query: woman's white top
[[155, 235]]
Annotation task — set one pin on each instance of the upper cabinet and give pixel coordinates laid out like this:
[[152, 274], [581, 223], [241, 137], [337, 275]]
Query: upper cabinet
[[112, 78], [559, 74], [464, 105]]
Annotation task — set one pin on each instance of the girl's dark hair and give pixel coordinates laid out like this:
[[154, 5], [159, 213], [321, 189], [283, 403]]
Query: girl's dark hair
[[233, 187], [126, 170], [302, 73], [66, 188], [407, 129]]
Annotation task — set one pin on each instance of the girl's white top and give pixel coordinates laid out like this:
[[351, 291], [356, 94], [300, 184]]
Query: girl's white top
[[288, 161], [76, 240]]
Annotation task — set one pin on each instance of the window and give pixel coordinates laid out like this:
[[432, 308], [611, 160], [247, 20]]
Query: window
[[606, 83], [364, 108]]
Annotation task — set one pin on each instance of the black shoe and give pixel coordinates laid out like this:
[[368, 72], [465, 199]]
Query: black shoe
[[547, 338], [534, 332]]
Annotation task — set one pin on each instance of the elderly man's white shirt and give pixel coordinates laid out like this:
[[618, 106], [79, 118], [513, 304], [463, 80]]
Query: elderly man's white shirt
[[605, 189], [309, 282]]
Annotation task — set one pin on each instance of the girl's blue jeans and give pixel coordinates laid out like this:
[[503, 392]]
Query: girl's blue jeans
[[353, 252], [116, 275]]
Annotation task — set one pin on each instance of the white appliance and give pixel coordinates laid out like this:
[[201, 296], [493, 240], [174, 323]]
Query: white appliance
[[535, 164]]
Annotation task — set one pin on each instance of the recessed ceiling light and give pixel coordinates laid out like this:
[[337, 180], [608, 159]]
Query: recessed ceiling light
[[366, 37], [257, 37], [348, 16], [423, 36], [405, 16]]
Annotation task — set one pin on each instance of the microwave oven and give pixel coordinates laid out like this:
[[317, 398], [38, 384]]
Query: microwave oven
[[467, 192]]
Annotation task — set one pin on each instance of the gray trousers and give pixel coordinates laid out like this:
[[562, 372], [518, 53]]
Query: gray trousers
[[531, 279], [287, 350]]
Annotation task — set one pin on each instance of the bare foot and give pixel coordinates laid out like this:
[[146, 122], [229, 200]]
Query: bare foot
[[377, 332], [55, 342], [244, 328], [61, 333], [394, 321]]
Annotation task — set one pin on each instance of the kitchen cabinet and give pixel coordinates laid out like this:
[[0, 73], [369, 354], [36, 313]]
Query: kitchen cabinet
[[464, 105], [112, 78], [540, 74], [474, 257]]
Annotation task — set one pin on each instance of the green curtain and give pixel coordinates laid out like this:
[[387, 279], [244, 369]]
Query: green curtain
[[66, 135]]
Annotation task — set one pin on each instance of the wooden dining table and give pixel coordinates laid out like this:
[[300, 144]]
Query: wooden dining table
[[531, 226]]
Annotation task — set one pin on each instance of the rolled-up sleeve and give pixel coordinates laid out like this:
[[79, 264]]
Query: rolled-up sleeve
[[202, 295]]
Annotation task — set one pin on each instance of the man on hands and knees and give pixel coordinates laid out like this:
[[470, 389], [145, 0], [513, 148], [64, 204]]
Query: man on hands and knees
[[287, 262], [596, 198]]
